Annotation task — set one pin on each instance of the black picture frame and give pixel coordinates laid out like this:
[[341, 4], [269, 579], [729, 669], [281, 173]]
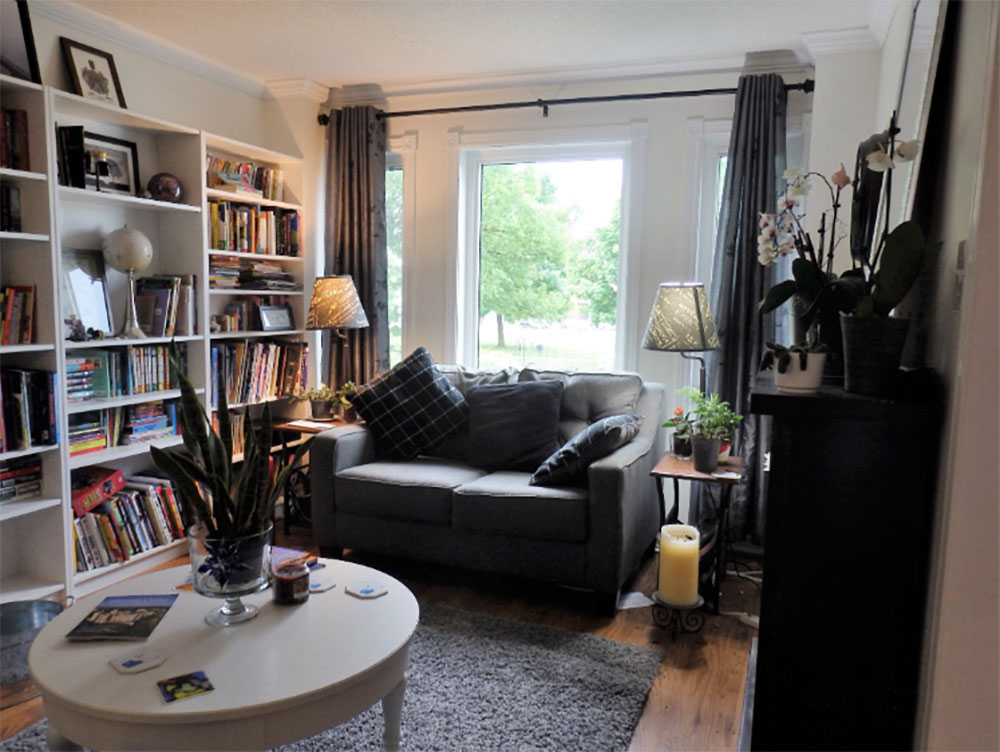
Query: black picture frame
[[92, 72], [85, 291], [276, 318], [121, 174], [18, 57]]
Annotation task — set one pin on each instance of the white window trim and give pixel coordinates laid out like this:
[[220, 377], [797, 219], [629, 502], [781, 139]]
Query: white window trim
[[472, 150], [402, 152]]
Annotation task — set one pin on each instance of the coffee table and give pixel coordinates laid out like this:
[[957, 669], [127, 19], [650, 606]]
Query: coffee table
[[286, 675]]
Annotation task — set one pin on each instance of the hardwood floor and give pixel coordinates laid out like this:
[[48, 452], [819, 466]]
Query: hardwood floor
[[696, 701]]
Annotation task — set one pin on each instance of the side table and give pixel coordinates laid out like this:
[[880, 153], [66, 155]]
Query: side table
[[297, 489], [727, 476]]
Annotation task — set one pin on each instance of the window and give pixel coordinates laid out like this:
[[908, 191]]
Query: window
[[545, 258], [394, 248]]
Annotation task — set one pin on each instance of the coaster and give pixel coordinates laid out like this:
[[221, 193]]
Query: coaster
[[136, 660], [367, 589], [185, 685], [321, 584]]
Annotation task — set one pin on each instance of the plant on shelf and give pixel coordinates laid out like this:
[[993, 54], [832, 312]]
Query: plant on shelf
[[781, 357], [797, 369], [714, 422]]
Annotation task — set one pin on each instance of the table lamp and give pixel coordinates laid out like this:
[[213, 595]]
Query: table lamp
[[335, 305], [128, 251], [681, 322]]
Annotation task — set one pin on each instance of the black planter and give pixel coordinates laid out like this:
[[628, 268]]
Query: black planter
[[681, 447], [873, 346], [705, 454]]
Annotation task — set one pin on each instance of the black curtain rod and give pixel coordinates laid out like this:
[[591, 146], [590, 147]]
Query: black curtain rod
[[807, 86]]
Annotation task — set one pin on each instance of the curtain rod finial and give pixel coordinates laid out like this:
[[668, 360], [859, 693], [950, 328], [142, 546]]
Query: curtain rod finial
[[323, 118]]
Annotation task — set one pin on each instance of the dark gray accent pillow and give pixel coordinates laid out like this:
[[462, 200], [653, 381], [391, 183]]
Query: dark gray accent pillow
[[513, 426], [568, 466], [410, 408]]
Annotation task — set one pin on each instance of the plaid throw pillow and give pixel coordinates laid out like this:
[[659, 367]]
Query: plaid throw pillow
[[410, 408]]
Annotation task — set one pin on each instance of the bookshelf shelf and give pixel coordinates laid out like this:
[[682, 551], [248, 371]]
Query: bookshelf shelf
[[245, 291], [110, 342], [255, 334], [242, 405], [17, 453], [8, 173], [97, 197], [11, 349], [95, 579], [19, 83], [84, 406], [247, 198], [11, 509], [33, 237], [121, 452], [74, 106], [258, 256], [24, 587]]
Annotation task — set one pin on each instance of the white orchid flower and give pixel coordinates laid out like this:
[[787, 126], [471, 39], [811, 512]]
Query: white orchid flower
[[787, 203], [799, 187], [878, 160], [792, 174], [906, 151], [840, 178], [766, 256]]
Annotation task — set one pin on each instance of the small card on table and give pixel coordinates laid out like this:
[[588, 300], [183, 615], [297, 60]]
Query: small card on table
[[185, 685]]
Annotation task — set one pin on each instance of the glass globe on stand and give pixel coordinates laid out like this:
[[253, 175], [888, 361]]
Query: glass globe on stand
[[128, 251]]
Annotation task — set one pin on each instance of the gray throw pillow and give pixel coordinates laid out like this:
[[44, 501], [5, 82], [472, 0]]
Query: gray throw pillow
[[410, 408], [568, 465], [513, 426]]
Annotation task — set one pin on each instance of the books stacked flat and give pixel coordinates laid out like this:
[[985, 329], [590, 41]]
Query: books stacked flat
[[20, 478], [266, 275], [17, 314], [147, 422], [88, 432], [223, 272], [87, 376], [28, 418]]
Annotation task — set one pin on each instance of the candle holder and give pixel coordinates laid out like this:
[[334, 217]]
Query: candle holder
[[684, 619]]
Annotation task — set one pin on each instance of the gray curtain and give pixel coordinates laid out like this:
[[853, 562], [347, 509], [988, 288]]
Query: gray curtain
[[753, 184], [355, 239]]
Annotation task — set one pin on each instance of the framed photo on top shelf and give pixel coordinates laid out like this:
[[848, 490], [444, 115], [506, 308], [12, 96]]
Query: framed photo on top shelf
[[92, 72], [85, 292], [120, 173], [17, 43], [275, 318]]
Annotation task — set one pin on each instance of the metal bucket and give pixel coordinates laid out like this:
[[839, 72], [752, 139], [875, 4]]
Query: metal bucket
[[20, 621]]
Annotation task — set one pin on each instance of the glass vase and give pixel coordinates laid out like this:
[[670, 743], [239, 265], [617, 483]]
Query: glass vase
[[230, 568]]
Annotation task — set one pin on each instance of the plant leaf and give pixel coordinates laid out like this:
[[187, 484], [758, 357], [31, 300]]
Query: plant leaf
[[778, 295], [808, 278], [901, 262], [185, 486]]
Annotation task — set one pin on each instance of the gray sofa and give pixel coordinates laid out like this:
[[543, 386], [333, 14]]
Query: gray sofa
[[443, 510]]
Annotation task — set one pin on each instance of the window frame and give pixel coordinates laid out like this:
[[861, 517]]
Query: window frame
[[401, 154]]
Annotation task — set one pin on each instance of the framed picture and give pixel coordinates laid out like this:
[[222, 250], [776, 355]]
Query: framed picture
[[275, 318], [120, 171], [92, 72], [85, 292], [17, 44]]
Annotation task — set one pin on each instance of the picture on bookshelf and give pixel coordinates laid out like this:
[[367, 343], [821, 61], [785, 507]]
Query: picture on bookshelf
[[119, 171], [92, 72], [85, 292], [275, 318], [17, 43]]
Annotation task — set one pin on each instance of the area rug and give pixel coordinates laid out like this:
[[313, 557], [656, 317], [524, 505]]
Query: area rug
[[478, 682]]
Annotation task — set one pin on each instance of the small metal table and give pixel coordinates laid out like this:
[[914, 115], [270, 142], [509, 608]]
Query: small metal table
[[297, 491]]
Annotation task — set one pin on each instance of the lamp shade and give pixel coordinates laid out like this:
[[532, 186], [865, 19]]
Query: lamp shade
[[680, 320], [335, 304]]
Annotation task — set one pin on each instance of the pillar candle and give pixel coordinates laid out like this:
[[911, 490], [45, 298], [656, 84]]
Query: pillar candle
[[678, 575]]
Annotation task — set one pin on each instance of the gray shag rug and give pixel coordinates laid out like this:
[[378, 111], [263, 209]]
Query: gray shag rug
[[478, 682]]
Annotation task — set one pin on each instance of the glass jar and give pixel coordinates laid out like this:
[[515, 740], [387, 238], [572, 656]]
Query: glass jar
[[291, 583]]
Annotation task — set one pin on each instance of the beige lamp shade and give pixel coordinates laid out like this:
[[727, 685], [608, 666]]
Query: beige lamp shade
[[680, 320], [335, 304]]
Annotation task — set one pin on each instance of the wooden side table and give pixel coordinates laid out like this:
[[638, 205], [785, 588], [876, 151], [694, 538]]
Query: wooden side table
[[727, 476], [297, 491]]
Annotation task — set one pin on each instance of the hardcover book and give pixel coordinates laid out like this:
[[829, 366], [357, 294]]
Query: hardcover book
[[123, 617]]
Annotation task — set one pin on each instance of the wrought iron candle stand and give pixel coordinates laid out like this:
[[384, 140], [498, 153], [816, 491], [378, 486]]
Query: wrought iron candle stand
[[684, 619]]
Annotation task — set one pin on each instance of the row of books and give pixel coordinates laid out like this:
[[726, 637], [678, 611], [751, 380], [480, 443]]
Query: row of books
[[14, 139], [131, 515], [134, 369], [10, 208], [229, 273], [268, 181], [20, 478], [237, 421], [255, 371], [29, 416], [253, 229], [164, 305], [244, 314], [17, 309], [96, 430]]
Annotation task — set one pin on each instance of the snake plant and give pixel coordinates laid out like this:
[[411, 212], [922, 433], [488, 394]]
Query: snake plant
[[231, 502]]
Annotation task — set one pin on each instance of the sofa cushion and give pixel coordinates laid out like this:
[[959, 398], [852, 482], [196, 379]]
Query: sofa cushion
[[589, 397], [568, 465], [418, 490], [456, 446], [410, 408], [513, 426], [504, 503]]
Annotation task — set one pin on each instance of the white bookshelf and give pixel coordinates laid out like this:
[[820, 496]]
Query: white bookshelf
[[37, 557]]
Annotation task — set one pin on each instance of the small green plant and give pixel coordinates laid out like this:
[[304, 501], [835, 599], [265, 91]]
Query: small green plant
[[712, 417], [242, 498], [323, 393], [780, 356]]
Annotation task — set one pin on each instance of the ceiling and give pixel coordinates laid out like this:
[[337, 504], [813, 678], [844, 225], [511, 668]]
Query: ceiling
[[401, 43]]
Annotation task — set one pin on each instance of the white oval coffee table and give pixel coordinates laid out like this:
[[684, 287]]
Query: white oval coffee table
[[286, 675]]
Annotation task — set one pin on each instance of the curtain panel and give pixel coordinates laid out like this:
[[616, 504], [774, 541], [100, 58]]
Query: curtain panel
[[753, 184], [356, 241]]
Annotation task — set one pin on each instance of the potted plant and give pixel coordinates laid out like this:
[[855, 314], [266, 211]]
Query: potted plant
[[231, 506], [682, 423], [713, 423], [323, 398], [797, 369]]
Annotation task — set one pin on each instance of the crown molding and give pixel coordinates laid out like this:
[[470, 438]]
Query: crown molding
[[298, 88], [119, 34], [880, 15], [858, 39]]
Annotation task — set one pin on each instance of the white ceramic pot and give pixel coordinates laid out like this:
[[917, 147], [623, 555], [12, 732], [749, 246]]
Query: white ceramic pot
[[796, 381]]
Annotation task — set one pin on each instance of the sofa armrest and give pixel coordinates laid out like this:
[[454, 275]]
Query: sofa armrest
[[331, 452]]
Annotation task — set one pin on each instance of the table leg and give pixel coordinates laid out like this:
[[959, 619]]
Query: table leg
[[392, 711], [59, 743]]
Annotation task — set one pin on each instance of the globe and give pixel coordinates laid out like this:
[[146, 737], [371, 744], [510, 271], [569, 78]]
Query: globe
[[126, 249], [165, 187]]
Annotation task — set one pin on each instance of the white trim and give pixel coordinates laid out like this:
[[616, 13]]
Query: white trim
[[859, 39], [404, 148], [630, 248], [880, 15], [119, 34], [300, 88]]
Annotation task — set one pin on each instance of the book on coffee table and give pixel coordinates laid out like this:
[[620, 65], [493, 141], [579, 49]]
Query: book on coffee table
[[123, 617]]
